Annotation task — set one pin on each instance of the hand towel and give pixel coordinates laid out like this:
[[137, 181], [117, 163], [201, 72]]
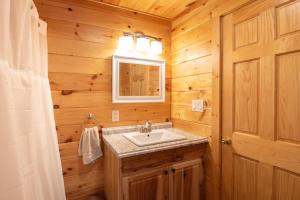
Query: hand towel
[[89, 145]]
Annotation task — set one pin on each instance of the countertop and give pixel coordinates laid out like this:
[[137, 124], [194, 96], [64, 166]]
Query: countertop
[[122, 147]]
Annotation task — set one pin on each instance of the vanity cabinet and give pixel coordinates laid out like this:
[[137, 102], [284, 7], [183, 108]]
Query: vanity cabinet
[[173, 174], [153, 184], [186, 180]]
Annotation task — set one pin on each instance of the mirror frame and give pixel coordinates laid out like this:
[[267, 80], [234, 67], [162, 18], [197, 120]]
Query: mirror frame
[[116, 60]]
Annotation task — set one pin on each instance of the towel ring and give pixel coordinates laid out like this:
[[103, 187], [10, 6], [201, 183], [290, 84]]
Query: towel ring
[[91, 116]]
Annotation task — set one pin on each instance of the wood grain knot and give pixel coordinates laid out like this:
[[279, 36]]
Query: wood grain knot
[[190, 4], [68, 140], [94, 76], [56, 106], [66, 92]]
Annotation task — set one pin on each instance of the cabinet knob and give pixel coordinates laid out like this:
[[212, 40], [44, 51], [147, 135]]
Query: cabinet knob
[[166, 172], [173, 170]]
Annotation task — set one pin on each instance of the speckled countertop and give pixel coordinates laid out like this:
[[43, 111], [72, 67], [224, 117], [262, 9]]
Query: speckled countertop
[[113, 137]]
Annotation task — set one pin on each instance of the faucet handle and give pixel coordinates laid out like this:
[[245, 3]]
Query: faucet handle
[[148, 125]]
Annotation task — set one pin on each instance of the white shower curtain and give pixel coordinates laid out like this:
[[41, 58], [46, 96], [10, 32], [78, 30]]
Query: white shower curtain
[[30, 167]]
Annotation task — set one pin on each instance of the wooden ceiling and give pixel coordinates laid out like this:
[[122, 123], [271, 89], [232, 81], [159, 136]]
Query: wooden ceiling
[[163, 8]]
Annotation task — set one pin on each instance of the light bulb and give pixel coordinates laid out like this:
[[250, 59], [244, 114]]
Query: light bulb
[[142, 44], [125, 43], [156, 47]]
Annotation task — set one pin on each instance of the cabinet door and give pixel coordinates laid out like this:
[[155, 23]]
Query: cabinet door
[[152, 185], [186, 181]]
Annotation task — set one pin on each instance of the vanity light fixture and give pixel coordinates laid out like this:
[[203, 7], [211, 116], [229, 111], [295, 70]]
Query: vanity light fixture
[[126, 42], [156, 47], [140, 42]]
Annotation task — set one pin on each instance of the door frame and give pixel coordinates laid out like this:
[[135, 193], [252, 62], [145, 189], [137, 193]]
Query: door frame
[[217, 65]]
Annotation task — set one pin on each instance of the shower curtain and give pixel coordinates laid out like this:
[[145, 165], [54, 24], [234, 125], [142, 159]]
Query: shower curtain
[[30, 167]]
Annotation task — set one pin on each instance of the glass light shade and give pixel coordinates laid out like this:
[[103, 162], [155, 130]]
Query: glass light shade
[[125, 42], [156, 47], [142, 44]]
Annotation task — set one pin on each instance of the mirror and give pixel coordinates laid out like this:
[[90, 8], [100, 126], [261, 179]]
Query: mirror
[[138, 80]]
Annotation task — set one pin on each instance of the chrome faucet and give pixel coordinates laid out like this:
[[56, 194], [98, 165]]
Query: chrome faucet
[[146, 128]]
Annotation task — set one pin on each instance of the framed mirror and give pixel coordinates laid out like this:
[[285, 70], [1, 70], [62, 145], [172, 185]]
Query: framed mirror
[[137, 80]]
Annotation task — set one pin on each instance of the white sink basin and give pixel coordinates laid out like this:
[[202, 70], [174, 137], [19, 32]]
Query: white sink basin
[[154, 137]]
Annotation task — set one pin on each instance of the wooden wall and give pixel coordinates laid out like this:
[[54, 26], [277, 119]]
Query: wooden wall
[[191, 50], [82, 38]]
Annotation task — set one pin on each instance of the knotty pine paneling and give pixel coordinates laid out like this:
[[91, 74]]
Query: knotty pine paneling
[[192, 66], [82, 38], [191, 50], [81, 12], [167, 9]]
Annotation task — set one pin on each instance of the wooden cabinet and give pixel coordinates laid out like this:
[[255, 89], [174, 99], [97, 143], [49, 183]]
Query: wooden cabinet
[[174, 174], [186, 181], [147, 185]]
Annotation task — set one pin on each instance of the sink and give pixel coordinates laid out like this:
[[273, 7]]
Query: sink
[[154, 137]]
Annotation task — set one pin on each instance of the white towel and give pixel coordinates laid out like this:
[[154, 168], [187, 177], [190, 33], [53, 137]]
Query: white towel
[[89, 145]]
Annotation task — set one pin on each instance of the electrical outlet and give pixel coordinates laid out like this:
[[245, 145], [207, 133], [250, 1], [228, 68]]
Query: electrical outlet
[[115, 116], [198, 105]]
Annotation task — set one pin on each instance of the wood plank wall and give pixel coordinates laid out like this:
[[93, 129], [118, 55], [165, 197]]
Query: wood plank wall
[[82, 38], [191, 50]]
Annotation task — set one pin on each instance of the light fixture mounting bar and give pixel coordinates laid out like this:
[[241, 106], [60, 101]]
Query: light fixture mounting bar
[[140, 34]]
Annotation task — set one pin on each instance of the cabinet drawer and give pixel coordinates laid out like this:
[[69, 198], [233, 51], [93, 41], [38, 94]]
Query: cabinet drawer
[[162, 158]]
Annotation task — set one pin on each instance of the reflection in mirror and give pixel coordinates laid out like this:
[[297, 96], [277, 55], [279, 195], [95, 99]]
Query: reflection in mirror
[[139, 80]]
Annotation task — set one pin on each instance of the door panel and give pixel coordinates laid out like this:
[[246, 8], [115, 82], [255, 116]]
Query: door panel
[[246, 32], [288, 13], [244, 180], [245, 91], [288, 97], [287, 185], [261, 101]]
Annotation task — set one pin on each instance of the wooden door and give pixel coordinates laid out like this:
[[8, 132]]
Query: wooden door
[[153, 185], [261, 101], [186, 181]]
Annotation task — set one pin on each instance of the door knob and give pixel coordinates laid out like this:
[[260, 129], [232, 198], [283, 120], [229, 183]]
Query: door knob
[[226, 141]]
